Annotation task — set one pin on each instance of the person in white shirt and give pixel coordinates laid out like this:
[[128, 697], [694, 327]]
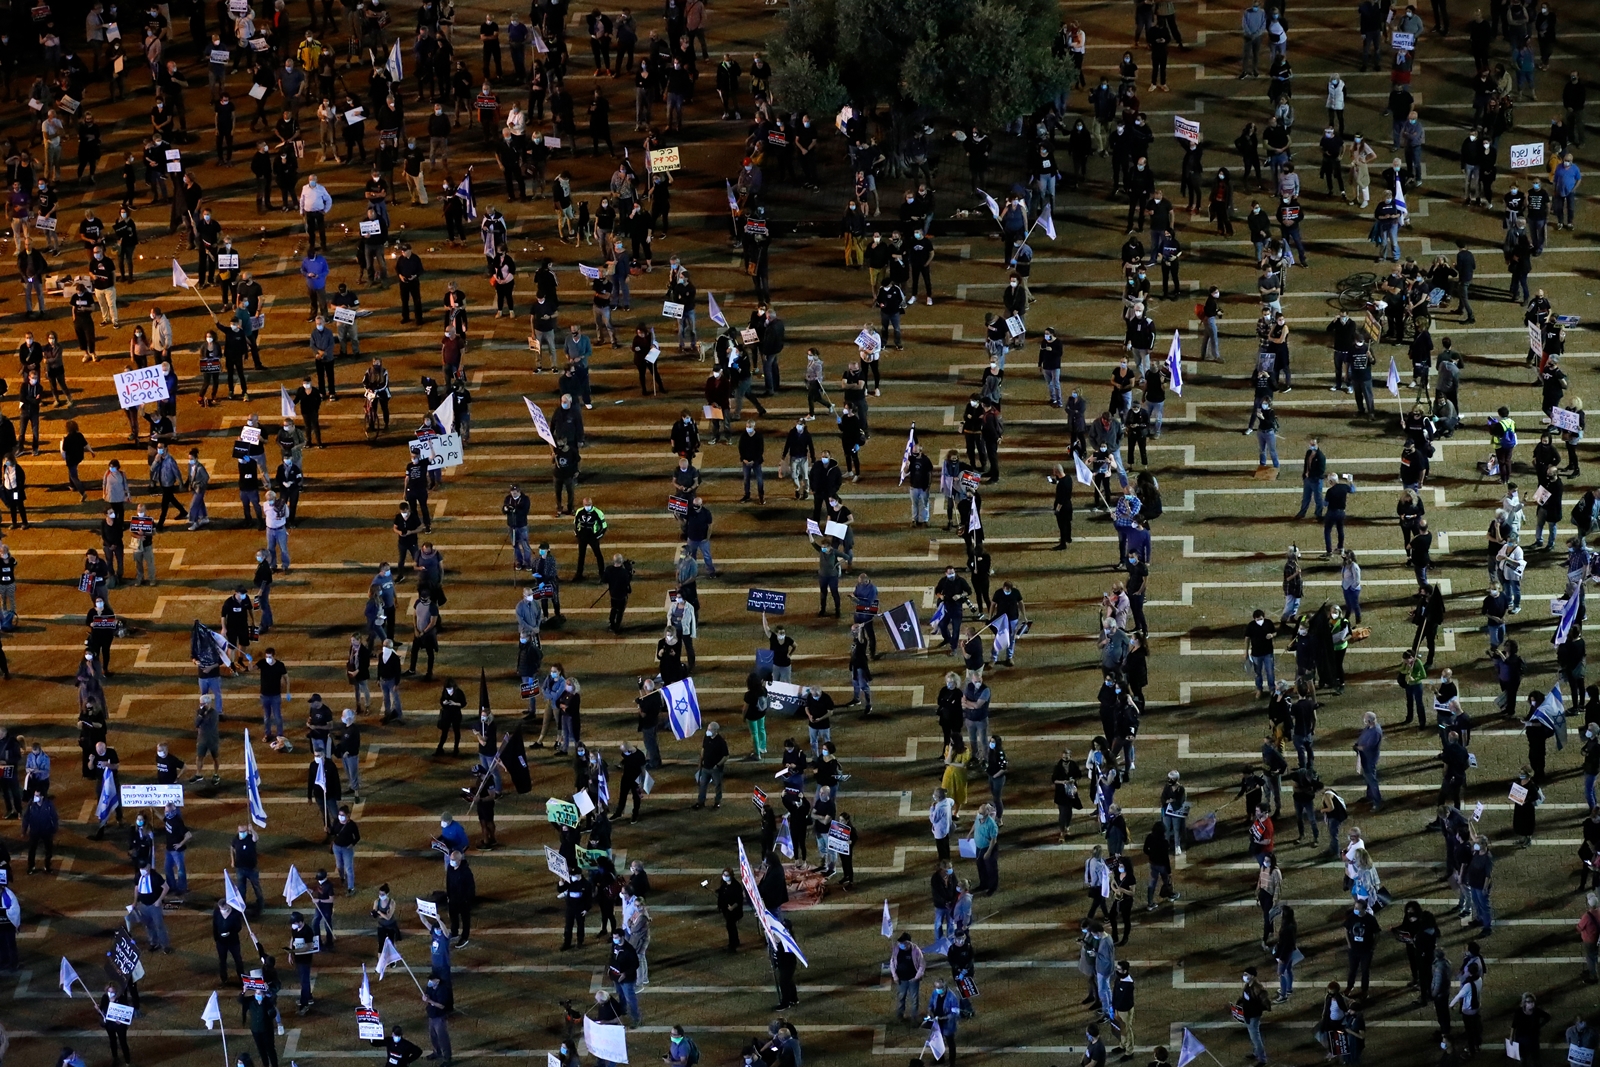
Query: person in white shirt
[[277, 515], [315, 203], [941, 817]]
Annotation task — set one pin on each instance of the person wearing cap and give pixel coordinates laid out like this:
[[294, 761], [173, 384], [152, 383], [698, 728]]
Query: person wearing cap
[[515, 507]]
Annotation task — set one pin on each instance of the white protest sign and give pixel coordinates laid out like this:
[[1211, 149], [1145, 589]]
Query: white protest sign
[[219, 55], [258, 92], [174, 166], [836, 529], [1535, 338], [427, 908], [227, 261], [1403, 42], [868, 342], [584, 801], [1185, 129], [609, 1043], [663, 159], [250, 435], [371, 227], [369, 1025], [354, 116], [143, 386], [113, 32], [1524, 156], [1014, 325], [151, 796], [442, 450], [173, 153], [671, 310], [812, 529], [344, 314], [749, 336], [552, 142], [1563, 419], [557, 863], [122, 1013]]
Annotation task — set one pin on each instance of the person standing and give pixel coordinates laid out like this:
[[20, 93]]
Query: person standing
[[461, 894], [1252, 1004], [434, 1001], [1368, 743]]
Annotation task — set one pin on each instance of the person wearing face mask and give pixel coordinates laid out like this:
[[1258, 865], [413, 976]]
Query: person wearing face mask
[[262, 1019], [461, 890]]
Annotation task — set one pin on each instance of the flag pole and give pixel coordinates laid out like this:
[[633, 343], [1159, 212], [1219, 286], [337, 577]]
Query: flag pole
[[223, 1030], [488, 775], [412, 973]]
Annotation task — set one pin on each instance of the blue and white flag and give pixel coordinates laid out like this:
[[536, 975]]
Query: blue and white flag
[[252, 784], [1569, 615], [1400, 197], [994, 208], [365, 992], [716, 312], [1002, 637], [1175, 363], [780, 937], [1553, 713], [1191, 1049], [1394, 378], [733, 201], [1047, 223], [396, 69], [938, 618], [974, 522], [905, 458], [464, 191], [108, 795], [683, 708], [592, 273], [602, 786], [388, 957]]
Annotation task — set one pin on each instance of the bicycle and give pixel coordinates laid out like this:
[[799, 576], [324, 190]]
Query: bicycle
[[1355, 290]]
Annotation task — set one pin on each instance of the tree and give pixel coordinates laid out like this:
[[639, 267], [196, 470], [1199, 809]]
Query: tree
[[984, 62]]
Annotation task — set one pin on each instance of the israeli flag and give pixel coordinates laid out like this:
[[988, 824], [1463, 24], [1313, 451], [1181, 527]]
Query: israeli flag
[[683, 708], [904, 630], [180, 279], [994, 208], [781, 938], [733, 201], [938, 618], [231, 895], [905, 458], [592, 273], [936, 1043], [1400, 197], [365, 993], [464, 191], [716, 312], [784, 843], [108, 796], [1002, 636], [252, 784], [446, 413], [1175, 363], [1394, 378], [1047, 223], [602, 783], [1569, 616], [396, 69]]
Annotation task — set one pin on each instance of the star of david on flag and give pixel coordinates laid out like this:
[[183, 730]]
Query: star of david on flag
[[683, 708]]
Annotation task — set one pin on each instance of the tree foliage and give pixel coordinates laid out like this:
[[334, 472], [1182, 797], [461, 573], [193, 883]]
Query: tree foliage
[[972, 61]]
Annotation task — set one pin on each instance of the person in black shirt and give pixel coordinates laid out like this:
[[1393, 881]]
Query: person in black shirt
[[1258, 634], [416, 483]]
